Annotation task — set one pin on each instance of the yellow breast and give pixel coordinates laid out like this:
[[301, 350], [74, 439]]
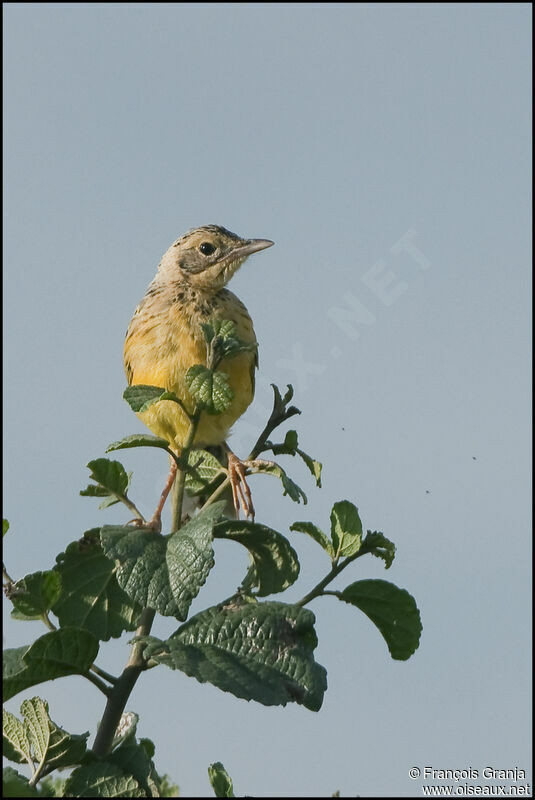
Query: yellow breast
[[165, 339]]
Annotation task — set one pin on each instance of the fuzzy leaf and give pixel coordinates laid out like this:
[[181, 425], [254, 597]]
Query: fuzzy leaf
[[142, 397], [67, 651], [92, 598], [316, 534], [392, 610], [102, 779], [16, 743], [220, 780], [132, 758], [276, 565], [16, 785], [112, 481], [110, 475], [220, 336], [36, 723], [203, 473], [378, 545], [290, 447], [35, 594], [257, 651], [280, 403], [164, 573], [289, 486], [314, 466], [65, 749], [138, 440], [346, 529], [211, 390]]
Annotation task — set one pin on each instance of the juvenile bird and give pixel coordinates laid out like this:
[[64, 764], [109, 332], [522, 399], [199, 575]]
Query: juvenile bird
[[165, 338]]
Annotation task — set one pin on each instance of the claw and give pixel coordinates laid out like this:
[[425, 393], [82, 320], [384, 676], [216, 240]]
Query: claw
[[241, 494]]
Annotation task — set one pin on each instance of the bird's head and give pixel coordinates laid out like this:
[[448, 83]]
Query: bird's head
[[206, 258]]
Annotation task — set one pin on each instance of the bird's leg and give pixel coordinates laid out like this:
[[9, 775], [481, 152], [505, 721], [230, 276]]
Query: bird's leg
[[155, 523], [241, 494]]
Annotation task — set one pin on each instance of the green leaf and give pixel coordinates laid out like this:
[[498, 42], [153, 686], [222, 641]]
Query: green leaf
[[51, 786], [68, 651], [142, 397], [16, 743], [346, 529], [378, 545], [220, 780], [40, 740], [35, 594], [128, 771], [165, 573], [112, 481], [276, 565], [110, 475], [313, 465], [222, 342], [392, 610], [16, 785], [211, 390], [138, 440], [133, 760], [166, 787], [36, 724], [92, 598], [290, 488], [206, 469], [224, 328], [289, 447], [102, 779], [316, 533], [65, 749], [5, 527], [280, 403], [256, 651]]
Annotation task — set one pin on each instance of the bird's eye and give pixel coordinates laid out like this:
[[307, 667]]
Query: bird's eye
[[207, 249]]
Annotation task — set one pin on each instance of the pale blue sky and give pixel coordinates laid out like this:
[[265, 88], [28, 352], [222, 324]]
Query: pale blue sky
[[342, 132]]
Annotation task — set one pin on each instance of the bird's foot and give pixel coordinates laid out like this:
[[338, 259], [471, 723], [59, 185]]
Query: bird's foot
[[154, 524], [241, 494]]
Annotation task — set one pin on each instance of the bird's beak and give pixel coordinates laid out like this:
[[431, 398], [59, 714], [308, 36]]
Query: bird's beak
[[252, 246]]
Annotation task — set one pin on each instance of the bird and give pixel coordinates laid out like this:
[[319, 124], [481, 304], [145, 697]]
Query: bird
[[165, 338]]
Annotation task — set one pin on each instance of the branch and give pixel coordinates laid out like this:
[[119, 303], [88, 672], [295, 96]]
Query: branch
[[98, 683], [119, 694], [178, 495], [318, 590]]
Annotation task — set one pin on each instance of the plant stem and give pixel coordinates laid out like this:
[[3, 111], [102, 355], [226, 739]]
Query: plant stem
[[103, 674], [273, 422], [119, 694], [131, 506], [220, 489], [98, 683], [317, 591], [180, 481], [37, 774], [122, 687], [48, 622]]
